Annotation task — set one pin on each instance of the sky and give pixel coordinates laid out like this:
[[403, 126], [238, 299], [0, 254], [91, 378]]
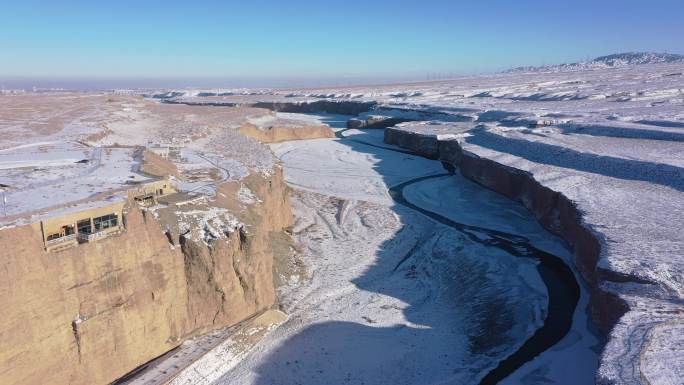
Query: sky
[[258, 42]]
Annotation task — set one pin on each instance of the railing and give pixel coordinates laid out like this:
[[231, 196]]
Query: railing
[[59, 240], [89, 237]]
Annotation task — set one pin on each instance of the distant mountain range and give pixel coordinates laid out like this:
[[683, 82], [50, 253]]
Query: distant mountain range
[[608, 61]]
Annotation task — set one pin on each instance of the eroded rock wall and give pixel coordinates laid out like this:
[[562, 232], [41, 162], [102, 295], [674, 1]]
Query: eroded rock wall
[[92, 313], [283, 133], [326, 106], [88, 314], [342, 107], [232, 279], [554, 211], [375, 122]]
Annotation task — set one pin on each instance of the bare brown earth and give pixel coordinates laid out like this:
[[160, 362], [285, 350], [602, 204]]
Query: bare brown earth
[[277, 134], [92, 313], [95, 312], [155, 165], [35, 113]]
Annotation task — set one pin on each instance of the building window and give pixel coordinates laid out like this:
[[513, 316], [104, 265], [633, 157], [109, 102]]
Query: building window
[[68, 230], [54, 236], [105, 222], [84, 226], [64, 231]]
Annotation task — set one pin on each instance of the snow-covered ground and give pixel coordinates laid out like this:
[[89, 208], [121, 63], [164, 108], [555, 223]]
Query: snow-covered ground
[[60, 149], [574, 359], [611, 141], [50, 174], [349, 173], [609, 137], [393, 297]]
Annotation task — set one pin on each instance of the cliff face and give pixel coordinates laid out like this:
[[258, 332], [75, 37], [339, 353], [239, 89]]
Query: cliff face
[[375, 122], [327, 106], [284, 133], [92, 313], [343, 107], [616, 201], [231, 280], [552, 209]]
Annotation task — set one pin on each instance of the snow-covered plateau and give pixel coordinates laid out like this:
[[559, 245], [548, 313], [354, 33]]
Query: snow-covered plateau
[[596, 154], [515, 228]]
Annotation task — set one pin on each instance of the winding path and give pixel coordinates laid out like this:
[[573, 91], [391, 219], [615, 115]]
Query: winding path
[[560, 281]]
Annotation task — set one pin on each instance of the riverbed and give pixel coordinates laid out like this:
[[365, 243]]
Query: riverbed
[[408, 282]]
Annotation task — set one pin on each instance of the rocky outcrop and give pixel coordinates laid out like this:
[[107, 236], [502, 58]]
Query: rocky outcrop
[[552, 209], [283, 133], [421, 144], [343, 107], [200, 103], [92, 313], [375, 122], [234, 277]]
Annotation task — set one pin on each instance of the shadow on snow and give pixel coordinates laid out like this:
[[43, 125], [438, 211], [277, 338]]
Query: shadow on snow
[[451, 305], [636, 170]]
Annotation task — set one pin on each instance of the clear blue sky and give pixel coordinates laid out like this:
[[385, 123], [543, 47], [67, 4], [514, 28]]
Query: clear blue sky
[[310, 39]]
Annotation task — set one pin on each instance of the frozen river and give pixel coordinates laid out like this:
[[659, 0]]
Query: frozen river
[[416, 277]]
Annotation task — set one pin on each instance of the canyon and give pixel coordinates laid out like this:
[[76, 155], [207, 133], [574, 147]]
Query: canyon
[[507, 228], [190, 264], [594, 155]]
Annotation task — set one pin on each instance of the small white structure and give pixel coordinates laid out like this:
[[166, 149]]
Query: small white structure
[[166, 151], [160, 150]]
